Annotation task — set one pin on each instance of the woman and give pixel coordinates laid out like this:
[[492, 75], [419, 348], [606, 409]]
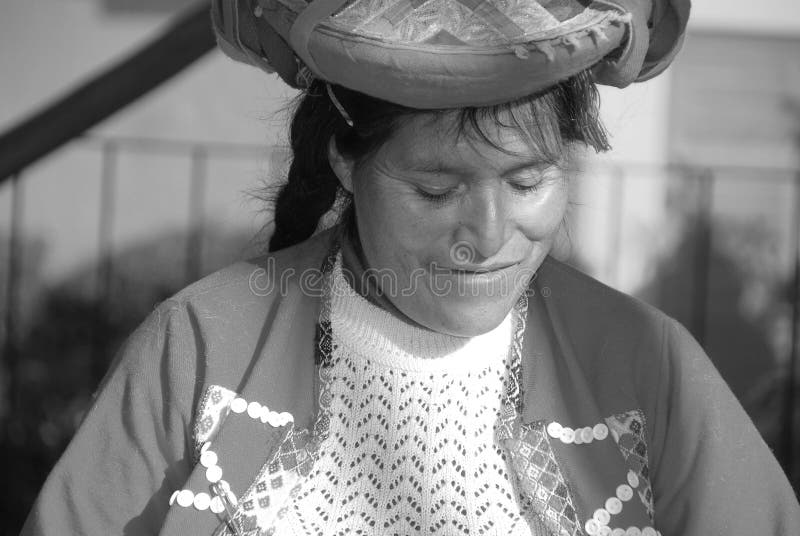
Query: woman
[[423, 367]]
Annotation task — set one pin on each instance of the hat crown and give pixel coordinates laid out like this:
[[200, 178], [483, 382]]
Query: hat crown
[[452, 53], [466, 22]]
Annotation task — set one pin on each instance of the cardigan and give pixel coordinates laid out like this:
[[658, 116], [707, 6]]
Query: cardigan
[[619, 405]]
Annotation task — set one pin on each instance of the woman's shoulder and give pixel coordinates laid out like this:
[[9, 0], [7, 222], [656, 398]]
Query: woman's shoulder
[[260, 278], [218, 323], [625, 344], [584, 301]]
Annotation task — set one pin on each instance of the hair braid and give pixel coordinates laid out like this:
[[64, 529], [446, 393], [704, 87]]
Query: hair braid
[[312, 185]]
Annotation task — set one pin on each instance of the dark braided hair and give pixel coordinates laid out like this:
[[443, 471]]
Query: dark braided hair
[[566, 112]]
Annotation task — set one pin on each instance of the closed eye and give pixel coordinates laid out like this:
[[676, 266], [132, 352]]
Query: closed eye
[[437, 199], [526, 188]]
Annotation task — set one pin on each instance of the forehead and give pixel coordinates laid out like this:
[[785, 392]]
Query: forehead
[[434, 141]]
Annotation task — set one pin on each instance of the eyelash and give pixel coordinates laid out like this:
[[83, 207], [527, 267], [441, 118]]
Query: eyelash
[[441, 199], [436, 199]]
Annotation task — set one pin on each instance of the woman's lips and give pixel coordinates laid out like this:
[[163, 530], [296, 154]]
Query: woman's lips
[[484, 269], [495, 280], [484, 274]]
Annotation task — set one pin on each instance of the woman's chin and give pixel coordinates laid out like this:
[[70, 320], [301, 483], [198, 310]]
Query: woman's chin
[[460, 318]]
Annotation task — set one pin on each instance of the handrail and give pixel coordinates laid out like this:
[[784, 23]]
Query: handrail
[[184, 41]]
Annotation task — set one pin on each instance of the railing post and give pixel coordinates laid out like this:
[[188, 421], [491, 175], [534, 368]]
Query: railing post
[[702, 253], [10, 359], [617, 193], [786, 450], [105, 265], [197, 199]]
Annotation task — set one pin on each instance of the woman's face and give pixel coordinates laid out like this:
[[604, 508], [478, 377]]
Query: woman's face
[[452, 228]]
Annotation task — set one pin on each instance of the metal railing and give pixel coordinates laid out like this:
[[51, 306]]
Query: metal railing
[[184, 41]]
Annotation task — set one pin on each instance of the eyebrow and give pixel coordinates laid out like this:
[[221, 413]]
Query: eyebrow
[[448, 169]]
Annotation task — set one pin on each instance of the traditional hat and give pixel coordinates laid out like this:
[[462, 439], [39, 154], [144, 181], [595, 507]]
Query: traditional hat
[[452, 53]]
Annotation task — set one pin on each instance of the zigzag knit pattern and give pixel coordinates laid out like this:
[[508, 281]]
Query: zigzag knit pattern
[[411, 448]]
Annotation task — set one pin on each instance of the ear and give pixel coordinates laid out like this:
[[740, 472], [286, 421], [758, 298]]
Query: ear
[[341, 166]]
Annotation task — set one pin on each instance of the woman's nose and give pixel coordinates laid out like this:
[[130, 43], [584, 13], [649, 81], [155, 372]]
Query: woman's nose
[[484, 223]]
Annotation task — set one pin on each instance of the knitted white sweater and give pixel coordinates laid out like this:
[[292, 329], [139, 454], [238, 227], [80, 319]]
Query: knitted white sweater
[[411, 448]]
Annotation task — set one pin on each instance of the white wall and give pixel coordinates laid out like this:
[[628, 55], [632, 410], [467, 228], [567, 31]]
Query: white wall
[[763, 16]]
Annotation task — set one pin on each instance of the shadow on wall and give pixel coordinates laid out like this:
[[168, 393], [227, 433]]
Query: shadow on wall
[[740, 312], [67, 346]]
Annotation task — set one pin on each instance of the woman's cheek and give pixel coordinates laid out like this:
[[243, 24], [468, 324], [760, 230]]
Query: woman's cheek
[[543, 219]]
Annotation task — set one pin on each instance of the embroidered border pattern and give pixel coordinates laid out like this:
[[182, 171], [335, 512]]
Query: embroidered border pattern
[[540, 477], [628, 430], [213, 408]]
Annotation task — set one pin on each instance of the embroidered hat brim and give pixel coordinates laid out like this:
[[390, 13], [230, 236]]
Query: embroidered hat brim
[[451, 53]]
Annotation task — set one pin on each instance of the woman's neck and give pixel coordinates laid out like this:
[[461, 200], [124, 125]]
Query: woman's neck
[[354, 266]]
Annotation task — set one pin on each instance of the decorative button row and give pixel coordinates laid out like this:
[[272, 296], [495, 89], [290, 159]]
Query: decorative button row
[[605, 530], [203, 501], [208, 459], [577, 436], [262, 413], [598, 524]]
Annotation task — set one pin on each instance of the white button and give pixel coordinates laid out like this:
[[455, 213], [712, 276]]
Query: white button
[[216, 505], [205, 446], [587, 435], [633, 531], [567, 435], [600, 431], [239, 405], [274, 419], [202, 501], [633, 479], [554, 429], [591, 527], [624, 492], [614, 506], [224, 485], [214, 473], [286, 417], [602, 516], [618, 532], [605, 530], [578, 440], [254, 410], [185, 498], [208, 458], [649, 531], [174, 496]]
